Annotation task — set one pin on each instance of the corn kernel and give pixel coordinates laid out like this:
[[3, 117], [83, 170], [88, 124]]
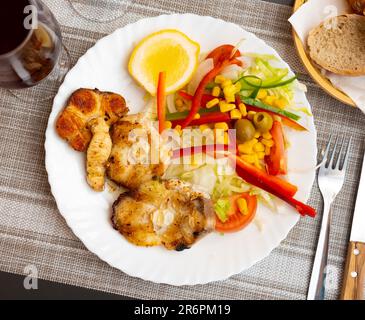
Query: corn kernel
[[236, 114], [219, 79], [226, 107], [267, 151], [230, 98], [242, 206], [229, 90], [168, 124], [262, 94], [261, 155], [197, 116], [212, 103], [204, 127], [267, 143], [216, 91], [178, 129], [247, 147], [259, 147], [267, 135], [249, 158], [226, 83], [280, 103], [229, 93], [243, 109], [179, 103], [250, 115], [221, 126], [270, 100], [257, 135]]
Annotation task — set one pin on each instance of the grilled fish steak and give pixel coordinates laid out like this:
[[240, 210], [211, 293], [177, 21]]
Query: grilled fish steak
[[83, 106], [98, 153], [167, 213], [125, 167]]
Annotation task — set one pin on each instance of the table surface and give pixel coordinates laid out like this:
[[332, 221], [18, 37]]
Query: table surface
[[50, 290]]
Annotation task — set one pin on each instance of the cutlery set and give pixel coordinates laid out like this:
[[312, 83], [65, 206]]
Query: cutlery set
[[331, 177]]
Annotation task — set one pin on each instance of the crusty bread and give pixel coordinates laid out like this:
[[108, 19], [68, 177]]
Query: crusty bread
[[338, 45], [83, 106]]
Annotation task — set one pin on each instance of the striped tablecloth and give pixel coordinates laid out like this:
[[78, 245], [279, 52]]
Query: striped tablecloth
[[32, 232]]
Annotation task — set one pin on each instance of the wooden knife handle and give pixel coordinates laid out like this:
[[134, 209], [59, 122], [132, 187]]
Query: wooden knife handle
[[353, 283]]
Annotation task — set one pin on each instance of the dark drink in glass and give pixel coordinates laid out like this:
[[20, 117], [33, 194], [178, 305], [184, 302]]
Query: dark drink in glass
[[30, 45]]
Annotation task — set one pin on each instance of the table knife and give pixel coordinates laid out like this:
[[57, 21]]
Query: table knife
[[354, 276]]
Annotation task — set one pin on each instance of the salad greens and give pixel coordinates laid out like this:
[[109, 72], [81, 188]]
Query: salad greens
[[222, 207]]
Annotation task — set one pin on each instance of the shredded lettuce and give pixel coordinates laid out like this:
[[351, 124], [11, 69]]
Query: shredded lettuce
[[215, 179], [266, 76], [266, 198], [266, 57], [228, 185], [222, 207]]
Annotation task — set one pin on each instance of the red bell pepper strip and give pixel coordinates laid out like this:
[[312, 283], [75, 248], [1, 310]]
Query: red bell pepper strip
[[223, 53], [161, 98], [204, 119], [185, 95], [261, 179], [277, 161], [222, 57], [196, 102], [276, 186]]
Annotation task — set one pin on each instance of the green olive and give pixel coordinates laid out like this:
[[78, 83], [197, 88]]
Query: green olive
[[245, 130], [263, 122]]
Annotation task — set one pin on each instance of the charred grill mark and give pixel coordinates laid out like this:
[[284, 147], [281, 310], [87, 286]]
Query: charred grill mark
[[181, 247]]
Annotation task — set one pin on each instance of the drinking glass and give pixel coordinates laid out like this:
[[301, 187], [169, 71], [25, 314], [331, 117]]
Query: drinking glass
[[33, 60], [101, 10]]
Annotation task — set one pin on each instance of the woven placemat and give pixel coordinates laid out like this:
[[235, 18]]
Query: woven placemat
[[32, 232]]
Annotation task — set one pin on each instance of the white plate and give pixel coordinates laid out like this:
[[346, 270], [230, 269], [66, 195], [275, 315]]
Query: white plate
[[88, 213]]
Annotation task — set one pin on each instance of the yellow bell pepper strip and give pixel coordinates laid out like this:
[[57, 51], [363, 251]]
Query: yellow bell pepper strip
[[277, 161], [161, 99]]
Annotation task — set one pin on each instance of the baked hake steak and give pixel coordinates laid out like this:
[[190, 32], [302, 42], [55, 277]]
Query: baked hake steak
[[167, 213], [130, 162], [83, 106]]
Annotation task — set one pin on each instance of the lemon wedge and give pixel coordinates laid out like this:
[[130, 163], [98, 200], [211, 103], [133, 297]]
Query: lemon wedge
[[167, 50]]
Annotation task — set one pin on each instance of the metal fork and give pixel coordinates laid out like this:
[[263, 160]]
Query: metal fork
[[331, 177]]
